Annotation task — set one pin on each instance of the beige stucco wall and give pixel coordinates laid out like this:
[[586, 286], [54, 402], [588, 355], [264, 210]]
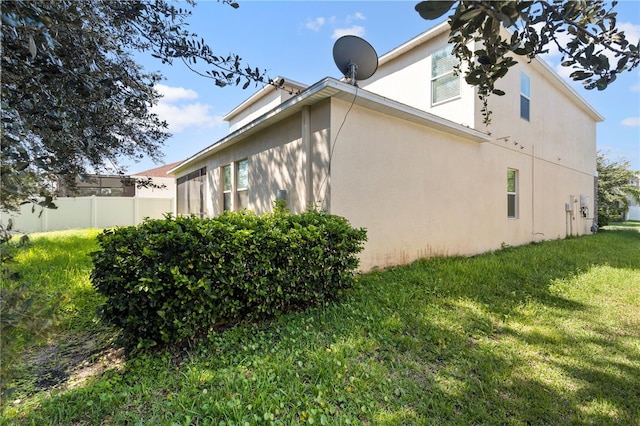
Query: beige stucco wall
[[421, 192], [270, 100], [407, 79], [560, 130], [276, 160]]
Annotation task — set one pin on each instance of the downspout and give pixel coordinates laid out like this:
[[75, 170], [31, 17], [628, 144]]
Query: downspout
[[533, 193], [533, 190], [308, 156]]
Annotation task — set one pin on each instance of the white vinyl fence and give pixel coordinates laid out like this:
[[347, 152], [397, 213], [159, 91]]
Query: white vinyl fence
[[634, 213], [89, 212]]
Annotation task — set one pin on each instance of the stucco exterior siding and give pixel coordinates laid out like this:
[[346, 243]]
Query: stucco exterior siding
[[407, 79], [424, 179], [559, 130], [277, 159], [421, 192], [415, 189]]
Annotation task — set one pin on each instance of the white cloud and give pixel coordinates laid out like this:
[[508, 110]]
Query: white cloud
[[355, 30], [631, 122], [631, 31], [355, 17], [315, 24], [179, 115], [172, 94]]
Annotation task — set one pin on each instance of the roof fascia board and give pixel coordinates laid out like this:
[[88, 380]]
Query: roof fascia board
[[566, 89], [325, 89], [411, 44], [288, 84], [406, 112]]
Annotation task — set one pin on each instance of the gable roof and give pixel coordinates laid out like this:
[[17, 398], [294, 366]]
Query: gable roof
[[327, 88], [162, 171]]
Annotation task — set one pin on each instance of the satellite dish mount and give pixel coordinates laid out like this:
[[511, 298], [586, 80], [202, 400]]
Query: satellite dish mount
[[355, 58]]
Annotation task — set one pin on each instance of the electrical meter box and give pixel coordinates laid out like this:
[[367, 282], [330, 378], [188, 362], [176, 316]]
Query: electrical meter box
[[584, 200]]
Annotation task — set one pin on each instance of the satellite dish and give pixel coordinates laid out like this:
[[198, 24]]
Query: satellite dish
[[355, 58]]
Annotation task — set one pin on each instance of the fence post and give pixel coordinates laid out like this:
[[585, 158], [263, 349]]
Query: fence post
[[94, 212], [135, 210], [44, 220]]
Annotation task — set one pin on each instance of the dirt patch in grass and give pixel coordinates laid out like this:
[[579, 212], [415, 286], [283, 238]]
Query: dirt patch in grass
[[72, 361]]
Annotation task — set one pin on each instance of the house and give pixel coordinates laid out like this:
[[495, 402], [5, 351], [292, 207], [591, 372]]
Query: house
[[163, 184], [634, 207], [408, 156], [101, 201]]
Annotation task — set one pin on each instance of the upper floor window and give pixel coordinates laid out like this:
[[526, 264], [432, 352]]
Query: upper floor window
[[445, 84], [512, 193], [525, 96]]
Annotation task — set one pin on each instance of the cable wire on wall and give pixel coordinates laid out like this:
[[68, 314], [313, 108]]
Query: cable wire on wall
[[323, 188]]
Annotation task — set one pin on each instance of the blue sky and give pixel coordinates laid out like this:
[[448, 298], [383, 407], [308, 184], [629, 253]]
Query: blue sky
[[294, 39]]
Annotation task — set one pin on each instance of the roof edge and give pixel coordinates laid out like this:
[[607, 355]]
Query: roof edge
[[329, 87], [287, 84], [415, 41], [566, 88]]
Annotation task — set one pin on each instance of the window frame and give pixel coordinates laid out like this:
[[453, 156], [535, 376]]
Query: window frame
[[226, 191], [524, 77], [448, 73], [234, 194], [241, 190], [512, 195]]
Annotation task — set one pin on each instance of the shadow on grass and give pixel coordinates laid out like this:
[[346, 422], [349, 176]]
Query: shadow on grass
[[481, 340]]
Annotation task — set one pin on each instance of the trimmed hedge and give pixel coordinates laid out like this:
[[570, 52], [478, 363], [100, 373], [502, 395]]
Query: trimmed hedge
[[167, 279]]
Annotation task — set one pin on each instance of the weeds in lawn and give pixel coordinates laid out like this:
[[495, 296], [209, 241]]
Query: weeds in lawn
[[548, 333]]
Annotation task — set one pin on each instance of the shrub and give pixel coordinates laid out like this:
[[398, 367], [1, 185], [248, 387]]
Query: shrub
[[165, 280]]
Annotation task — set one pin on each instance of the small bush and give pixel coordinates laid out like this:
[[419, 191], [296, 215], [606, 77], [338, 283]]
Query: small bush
[[167, 279]]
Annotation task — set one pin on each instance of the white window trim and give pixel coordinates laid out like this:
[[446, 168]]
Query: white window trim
[[238, 189], [226, 191], [515, 194], [439, 76], [235, 190], [527, 97]]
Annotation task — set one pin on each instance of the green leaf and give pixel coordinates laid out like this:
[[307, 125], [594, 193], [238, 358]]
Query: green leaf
[[431, 9]]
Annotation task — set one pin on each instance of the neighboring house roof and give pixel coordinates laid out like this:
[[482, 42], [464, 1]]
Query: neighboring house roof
[[162, 171], [327, 88]]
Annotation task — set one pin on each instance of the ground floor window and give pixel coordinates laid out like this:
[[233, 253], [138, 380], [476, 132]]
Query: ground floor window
[[191, 190], [234, 180], [242, 184], [227, 187], [512, 193]]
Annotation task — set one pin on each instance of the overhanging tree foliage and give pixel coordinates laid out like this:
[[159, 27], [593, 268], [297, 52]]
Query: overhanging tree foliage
[[73, 98], [584, 32], [617, 183]]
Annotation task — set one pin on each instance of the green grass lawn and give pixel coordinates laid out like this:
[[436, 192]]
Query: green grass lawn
[[627, 224], [547, 333]]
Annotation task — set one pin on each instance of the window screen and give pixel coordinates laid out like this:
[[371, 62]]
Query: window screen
[[512, 193], [525, 96], [445, 84]]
